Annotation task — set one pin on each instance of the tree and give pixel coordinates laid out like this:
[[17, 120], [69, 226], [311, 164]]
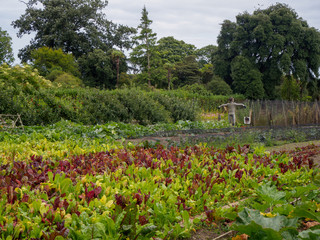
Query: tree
[[206, 73], [75, 26], [169, 67], [205, 55], [172, 50], [96, 69], [187, 71], [46, 60], [276, 42], [246, 79], [146, 40], [116, 56], [290, 88], [218, 86], [6, 55]]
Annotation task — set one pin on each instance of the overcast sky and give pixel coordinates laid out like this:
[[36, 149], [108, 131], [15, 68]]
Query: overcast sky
[[193, 21]]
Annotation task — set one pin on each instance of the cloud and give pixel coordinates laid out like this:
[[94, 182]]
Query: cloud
[[195, 22]]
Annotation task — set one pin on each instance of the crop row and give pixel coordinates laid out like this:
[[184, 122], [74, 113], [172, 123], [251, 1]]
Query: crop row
[[140, 193]]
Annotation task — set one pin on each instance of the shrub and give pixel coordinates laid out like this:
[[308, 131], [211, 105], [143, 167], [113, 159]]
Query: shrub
[[197, 89], [68, 80], [217, 86], [141, 107], [179, 108]]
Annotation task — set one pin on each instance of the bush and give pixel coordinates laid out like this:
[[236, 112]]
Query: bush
[[69, 81], [197, 89], [217, 86], [179, 108], [141, 107], [38, 101]]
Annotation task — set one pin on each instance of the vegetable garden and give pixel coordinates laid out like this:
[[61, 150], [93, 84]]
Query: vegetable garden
[[81, 178], [68, 181]]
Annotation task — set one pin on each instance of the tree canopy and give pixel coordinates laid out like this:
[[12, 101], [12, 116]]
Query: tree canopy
[[47, 59], [143, 52], [75, 26], [275, 41], [6, 55]]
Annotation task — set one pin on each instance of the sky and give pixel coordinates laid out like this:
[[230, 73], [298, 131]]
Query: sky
[[196, 22]]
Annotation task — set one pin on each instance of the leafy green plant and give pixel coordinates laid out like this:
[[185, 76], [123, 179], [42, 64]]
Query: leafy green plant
[[252, 223]]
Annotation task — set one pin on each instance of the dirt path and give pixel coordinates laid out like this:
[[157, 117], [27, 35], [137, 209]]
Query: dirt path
[[292, 146]]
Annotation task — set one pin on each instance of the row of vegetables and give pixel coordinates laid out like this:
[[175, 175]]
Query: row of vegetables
[[160, 193]]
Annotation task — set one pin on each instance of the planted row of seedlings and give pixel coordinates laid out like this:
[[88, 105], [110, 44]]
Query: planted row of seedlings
[[159, 193]]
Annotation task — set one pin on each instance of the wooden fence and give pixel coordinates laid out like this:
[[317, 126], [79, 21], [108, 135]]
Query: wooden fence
[[281, 113], [10, 121]]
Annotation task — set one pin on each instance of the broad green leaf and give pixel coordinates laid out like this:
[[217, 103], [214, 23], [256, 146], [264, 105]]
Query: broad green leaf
[[251, 222], [304, 212], [310, 234], [270, 194], [66, 186]]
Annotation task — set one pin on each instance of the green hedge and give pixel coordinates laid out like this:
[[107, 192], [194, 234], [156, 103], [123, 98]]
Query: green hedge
[[40, 102], [207, 103]]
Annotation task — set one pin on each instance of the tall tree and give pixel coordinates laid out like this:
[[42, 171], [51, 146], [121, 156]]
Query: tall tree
[[146, 40], [96, 69], [172, 50], [116, 56], [169, 67], [75, 26], [205, 54], [275, 40], [187, 71], [6, 55], [47, 59], [246, 78]]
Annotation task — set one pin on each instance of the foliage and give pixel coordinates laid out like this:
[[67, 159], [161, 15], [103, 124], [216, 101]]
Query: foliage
[[206, 73], [96, 69], [46, 60], [196, 88], [141, 107], [246, 79], [180, 109], [6, 54], [24, 92], [205, 54], [206, 102], [139, 193], [116, 57], [22, 79], [217, 86], [275, 41], [290, 89], [76, 26], [187, 71], [172, 50], [143, 53], [68, 81]]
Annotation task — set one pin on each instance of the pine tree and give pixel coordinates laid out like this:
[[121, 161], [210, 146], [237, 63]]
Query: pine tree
[[146, 40]]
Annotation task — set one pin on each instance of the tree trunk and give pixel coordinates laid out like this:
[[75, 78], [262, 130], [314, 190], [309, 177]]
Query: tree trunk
[[169, 78], [118, 70]]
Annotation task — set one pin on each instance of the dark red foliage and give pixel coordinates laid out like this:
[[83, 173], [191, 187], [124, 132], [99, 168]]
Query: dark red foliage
[[60, 204], [89, 195], [239, 174], [121, 201], [139, 198], [143, 220]]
